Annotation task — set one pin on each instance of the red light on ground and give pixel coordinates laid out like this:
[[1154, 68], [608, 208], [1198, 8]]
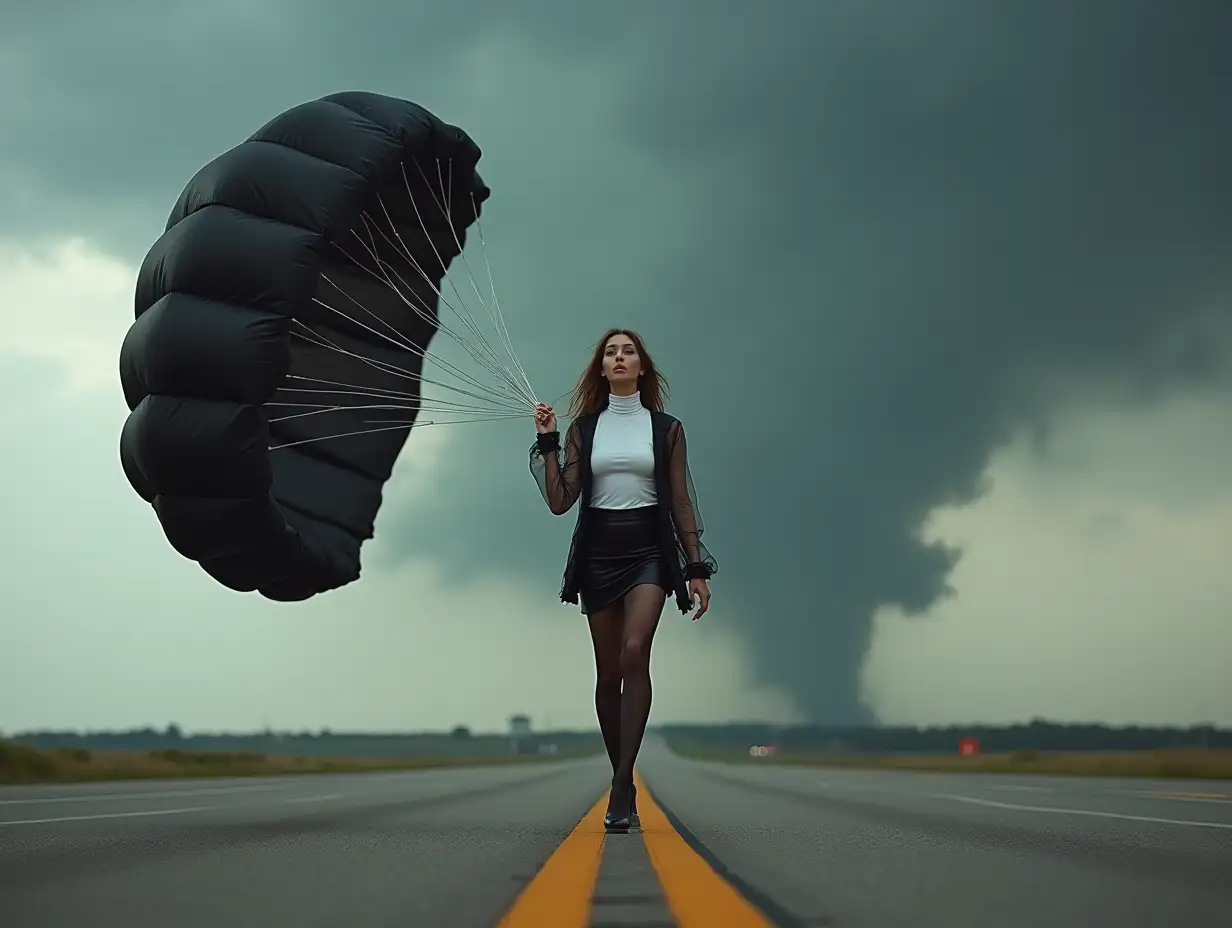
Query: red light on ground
[[969, 747]]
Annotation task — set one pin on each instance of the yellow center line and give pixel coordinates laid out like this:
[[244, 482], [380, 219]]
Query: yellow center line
[[560, 893], [697, 896], [1183, 794]]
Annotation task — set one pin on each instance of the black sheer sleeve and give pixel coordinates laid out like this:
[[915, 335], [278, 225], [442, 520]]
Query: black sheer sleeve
[[560, 483], [686, 516]]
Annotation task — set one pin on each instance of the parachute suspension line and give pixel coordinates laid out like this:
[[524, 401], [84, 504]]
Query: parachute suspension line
[[511, 394], [405, 343], [372, 391], [319, 409], [386, 428], [412, 403], [368, 390], [323, 342], [506, 374], [437, 406], [488, 402], [462, 311], [492, 364], [500, 316], [384, 367], [402, 340], [375, 391], [445, 205], [428, 235], [494, 314]]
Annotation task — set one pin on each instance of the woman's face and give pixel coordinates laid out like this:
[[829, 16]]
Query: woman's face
[[621, 363]]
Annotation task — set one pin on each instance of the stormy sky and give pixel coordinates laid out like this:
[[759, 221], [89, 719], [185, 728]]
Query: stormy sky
[[942, 290]]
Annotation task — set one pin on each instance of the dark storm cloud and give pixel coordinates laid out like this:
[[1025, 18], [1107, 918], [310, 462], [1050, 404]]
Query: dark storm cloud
[[866, 240], [115, 105], [910, 233]]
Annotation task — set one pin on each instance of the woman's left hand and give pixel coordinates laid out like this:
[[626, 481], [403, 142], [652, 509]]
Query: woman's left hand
[[699, 592]]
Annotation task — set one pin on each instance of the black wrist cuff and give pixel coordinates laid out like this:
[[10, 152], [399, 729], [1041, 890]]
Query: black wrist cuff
[[548, 442], [698, 571]]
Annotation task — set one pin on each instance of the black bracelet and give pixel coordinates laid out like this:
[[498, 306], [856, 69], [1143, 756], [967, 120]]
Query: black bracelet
[[548, 442], [697, 570]]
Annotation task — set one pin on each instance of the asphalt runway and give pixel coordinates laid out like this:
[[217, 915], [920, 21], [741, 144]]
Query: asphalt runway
[[721, 845]]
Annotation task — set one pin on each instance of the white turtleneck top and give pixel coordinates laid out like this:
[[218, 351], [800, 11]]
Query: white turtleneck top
[[622, 456]]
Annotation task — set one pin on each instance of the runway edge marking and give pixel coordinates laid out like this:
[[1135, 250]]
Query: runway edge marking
[[560, 894], [696, 895]]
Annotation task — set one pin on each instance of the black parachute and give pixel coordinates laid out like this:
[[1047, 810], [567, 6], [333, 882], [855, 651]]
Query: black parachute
[[257, 237]]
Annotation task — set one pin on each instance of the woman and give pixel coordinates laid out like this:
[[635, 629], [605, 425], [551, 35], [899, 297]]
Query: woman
[[637, 538]]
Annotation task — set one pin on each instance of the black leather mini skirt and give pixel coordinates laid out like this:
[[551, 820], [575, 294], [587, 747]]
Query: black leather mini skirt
[[621, 551]]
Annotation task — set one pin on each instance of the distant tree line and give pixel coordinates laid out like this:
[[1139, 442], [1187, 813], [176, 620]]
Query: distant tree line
[[460, 741], [1037, 735]]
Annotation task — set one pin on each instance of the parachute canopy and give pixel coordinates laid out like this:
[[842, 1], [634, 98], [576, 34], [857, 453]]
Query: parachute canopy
[[297, 270]]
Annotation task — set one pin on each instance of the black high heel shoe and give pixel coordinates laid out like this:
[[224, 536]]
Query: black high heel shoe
[[634, 820], [619, 807]]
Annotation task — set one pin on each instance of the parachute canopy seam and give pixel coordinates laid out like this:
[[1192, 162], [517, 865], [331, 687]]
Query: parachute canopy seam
[[308, 154]]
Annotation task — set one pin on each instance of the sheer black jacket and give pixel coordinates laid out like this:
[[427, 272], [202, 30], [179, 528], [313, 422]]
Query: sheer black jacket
[[680, 522]]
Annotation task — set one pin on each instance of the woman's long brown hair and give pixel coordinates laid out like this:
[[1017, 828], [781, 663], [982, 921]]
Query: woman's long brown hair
[[591, 392]]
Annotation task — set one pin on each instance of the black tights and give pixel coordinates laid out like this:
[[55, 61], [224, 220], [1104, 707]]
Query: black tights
[[622, 634]]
